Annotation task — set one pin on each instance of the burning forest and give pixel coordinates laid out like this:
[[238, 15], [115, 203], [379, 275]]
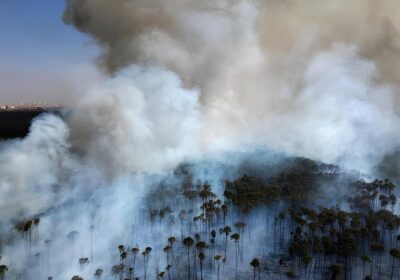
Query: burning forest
[[211, 140]]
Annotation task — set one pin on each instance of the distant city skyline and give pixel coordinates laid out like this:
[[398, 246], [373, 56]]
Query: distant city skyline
[[41, 58]]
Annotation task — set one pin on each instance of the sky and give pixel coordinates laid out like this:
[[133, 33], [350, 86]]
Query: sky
[[41, 58]]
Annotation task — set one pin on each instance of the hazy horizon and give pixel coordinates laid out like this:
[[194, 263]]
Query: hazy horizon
[[41, 58]]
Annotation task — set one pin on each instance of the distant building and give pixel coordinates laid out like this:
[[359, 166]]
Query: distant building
[[27, 107]]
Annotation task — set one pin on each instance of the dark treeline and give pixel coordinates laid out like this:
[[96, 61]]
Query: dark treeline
[[278, 226]]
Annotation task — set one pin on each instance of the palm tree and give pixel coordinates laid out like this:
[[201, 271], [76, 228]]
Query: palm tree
[[48, 244], [76, 277], [188, 243], [3, 270], [171, 241], [27, 230], [98, 273], [130, 269], [291, 275], [393, 201], [335, 270], [197, 237], [221, 232], [201, 258], [217, 259], [36, 222], [135, 251], [213, 235], [122, 253], [168, 267], [240, 227], [226, 230], [166, 250], [83, 262], [182, 216], [72, 236], [146, 254], [395, 254], [144, 263], [121, 248], [236, 238], [380, 249], [201, 245], [375, 247], [224, 209], [123, 256], [161, 275], [364, 259], [255, 263], [117, 270], [306, 259], [37, 261]]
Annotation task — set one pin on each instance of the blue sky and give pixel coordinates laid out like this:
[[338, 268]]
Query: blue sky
[[33, 31], [36, 45]]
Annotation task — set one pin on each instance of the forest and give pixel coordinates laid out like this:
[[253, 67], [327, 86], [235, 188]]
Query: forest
[[200, 140], [281, 221]]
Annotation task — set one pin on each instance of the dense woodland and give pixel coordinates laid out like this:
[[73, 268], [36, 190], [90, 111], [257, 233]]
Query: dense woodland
[[281, 225]]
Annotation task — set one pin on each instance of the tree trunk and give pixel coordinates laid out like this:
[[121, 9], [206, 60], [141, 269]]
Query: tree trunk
[[372, 266], [391, 274], [226, 244], [188, 264], [363, 270], [236, 258], [145, 268], [195, 264], [379, 269], [134, 262], [91, 246]]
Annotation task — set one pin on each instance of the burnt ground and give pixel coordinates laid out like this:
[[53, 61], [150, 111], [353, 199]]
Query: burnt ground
[[16, 123]]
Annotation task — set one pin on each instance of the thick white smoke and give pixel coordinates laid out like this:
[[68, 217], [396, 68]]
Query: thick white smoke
[[90, 170], [192, 78], [142, 120], [30, 168], [311, 79]]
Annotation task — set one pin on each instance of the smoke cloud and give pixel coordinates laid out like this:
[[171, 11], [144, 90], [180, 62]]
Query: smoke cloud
[[310, 78], [145, 114], [193, 79]]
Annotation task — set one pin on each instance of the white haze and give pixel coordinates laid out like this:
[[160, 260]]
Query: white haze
[[190, 79]]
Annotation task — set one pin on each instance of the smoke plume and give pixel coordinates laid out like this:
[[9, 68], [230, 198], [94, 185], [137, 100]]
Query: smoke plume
[[189, 80], [311, 78]]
